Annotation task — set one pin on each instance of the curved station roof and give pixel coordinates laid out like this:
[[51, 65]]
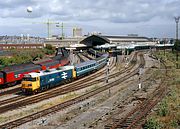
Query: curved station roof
[[95, 40]]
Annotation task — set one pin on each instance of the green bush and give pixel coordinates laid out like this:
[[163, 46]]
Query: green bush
[[7, 61], [163, 108], [174, 123], [152, 123], [49, 49], [20, 57], [24, 56]]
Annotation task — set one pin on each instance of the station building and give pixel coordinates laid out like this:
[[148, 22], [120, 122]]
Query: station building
[[117, 44], [101, 41], [66, 42]]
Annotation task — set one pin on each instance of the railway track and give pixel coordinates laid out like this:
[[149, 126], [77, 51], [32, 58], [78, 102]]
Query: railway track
[[78, 83], [18, 98], [135, 118], [9, 91], [19, 101], [63, 105], [17, 89], [81, 59], [93, 76], [88, 56]]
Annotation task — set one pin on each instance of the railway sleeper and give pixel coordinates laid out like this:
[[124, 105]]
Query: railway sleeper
[[116, 120], [138, 124], [122, 126], [129, 121], [109, 126]]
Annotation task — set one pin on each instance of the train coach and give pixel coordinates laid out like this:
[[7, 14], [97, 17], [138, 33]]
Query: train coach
[[12, 75], [35, 82], [101, 61]]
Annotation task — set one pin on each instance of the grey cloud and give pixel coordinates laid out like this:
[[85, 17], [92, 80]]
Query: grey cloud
[[116, 12], [119, 11], [10, 4]]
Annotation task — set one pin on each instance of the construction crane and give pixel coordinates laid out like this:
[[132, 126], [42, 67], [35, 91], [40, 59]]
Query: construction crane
[[62, 27], [49, 23]]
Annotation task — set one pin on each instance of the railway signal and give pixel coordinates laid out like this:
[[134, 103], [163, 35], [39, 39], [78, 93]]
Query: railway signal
[[139, 74], [107, 74]]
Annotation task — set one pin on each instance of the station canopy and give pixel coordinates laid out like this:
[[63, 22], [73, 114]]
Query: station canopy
[[97, 40]]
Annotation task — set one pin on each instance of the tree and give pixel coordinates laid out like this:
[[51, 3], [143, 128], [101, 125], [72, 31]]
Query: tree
[[49, 47], [177, 48], [177, 45]]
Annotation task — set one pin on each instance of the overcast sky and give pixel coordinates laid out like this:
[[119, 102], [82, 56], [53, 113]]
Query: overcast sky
[[151, 18]]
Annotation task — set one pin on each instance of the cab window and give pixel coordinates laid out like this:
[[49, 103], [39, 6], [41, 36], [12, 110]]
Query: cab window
[[29, 79]]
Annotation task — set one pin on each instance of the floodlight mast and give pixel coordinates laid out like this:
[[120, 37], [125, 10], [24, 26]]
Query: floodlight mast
[[177, 21]]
